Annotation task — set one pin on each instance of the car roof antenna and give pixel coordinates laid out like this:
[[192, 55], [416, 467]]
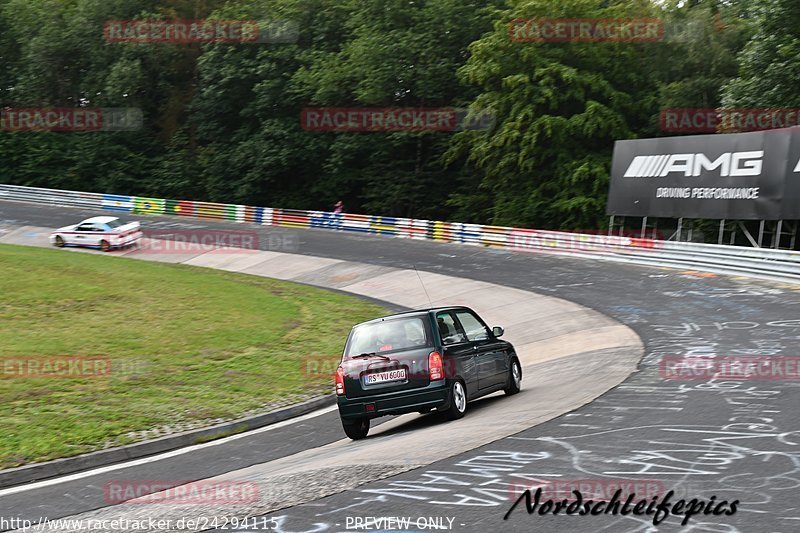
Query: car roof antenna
[[423, 286]]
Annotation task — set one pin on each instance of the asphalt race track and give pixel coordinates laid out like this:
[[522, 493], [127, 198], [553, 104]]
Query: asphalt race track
[[732, 440]]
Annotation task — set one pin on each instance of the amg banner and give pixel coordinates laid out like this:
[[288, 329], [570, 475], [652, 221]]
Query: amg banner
[[740, 176]]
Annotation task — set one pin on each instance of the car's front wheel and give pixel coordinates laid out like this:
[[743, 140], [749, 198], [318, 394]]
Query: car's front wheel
[[458, 401], [357, 428], [514, 378], [59, 241]]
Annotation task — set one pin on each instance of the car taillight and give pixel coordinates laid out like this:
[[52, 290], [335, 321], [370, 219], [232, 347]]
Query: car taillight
[[340, 381], [435, 370]]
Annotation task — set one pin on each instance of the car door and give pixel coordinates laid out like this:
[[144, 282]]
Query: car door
[[490, 354], [103, 233], [94, 235], [457, 349], [83, 235]]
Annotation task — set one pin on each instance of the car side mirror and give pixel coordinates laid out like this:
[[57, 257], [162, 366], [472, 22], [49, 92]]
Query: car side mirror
[[497, 331]]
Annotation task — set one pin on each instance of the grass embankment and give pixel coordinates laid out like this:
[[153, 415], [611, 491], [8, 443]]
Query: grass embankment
[[188, 347]]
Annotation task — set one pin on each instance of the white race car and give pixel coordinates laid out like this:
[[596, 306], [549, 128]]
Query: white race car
[[105, 233]]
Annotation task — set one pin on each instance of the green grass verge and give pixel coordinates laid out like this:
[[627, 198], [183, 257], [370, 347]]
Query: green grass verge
[[188, 346]]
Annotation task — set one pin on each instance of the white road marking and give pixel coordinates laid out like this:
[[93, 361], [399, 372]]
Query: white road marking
[[165, 455]]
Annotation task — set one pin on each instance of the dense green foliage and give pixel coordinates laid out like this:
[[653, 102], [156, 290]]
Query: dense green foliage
[[770, 63], [222, 121]]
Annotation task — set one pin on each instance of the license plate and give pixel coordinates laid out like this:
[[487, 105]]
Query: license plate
[[385, 377]]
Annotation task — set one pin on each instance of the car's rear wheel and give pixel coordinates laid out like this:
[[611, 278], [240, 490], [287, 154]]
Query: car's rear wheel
[[458, 401], [514, 378], [105, 246], [357, 428], [59, 241]]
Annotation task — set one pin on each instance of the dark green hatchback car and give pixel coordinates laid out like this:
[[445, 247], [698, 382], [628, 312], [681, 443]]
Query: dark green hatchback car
[[423, 360]]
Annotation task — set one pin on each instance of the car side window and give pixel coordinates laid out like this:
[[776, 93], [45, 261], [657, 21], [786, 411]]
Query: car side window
[[85, 227], [473, 327], [449, 330]]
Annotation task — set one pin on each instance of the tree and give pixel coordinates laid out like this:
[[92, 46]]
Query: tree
[[770, 62], [700, 56], [559, 107]]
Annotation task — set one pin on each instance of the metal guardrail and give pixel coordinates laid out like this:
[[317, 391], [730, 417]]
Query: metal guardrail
[[781, 265]]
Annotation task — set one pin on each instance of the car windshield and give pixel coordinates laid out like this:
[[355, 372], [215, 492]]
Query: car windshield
[[114, 223], [388, 336]]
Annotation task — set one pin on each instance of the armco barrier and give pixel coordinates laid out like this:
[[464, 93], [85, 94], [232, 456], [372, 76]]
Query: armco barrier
[[772, 264]]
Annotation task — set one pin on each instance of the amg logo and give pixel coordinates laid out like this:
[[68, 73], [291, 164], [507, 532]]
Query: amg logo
[[730, 164]]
